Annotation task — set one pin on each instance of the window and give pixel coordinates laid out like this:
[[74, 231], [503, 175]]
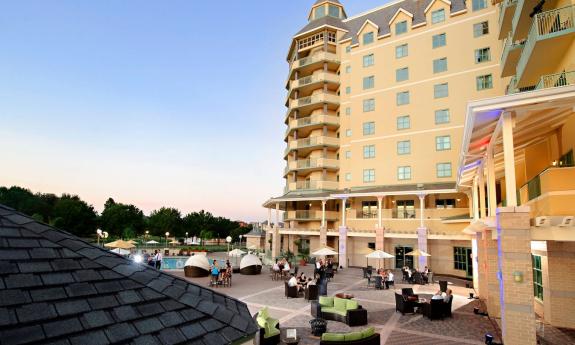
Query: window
[[348, 176], [404, 147], [440, 90], [479, 5], [439, 40], [368, 60], [348, 132], [443, 143], [443, 169], [333, 11], [347, 69], [439, 65], [444, 203], [348, 49], [368, 82], [347, 154], [404, 173], [401, 51], [401, 27], [320, 12], [403, 122], [441, 116], [482, 55], [369, 151], [437, 16], [368, 38], [480, 29], [537, 277], [484, 82], [348, 111], [368, 128], [368, 105], [460, 258], [347, 90], [402, 98], [401, 74], [368, 175], [369, 209]]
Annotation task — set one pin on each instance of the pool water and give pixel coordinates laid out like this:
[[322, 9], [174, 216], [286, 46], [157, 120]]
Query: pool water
[[178, 262]]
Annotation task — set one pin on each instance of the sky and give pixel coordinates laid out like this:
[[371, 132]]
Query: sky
[[155, 103]]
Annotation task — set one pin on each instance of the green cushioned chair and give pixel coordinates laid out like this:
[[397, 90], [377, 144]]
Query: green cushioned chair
[[365, 337], [269, 332]]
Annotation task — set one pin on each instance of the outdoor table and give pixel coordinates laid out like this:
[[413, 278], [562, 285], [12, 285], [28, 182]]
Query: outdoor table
[[290, 341], [344, 295]]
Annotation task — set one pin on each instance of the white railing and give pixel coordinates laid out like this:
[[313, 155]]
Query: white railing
[[319, 98], [556, 80], [314, 141], [315, 58], [318, 77]]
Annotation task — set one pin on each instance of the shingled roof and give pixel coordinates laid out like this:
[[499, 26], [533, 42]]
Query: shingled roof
[[56, 288]]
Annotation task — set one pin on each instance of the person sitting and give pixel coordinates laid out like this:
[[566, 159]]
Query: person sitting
[[215, 273], [310, 282], [447, 296], [389, 281], [425, 275], [438, 295], [302, 278], [293, 282]]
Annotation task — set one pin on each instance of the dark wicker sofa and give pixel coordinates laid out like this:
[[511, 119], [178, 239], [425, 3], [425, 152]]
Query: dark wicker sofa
[[373, 340], [352, 317]]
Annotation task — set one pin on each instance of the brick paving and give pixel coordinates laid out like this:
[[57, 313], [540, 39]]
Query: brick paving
[[411, 329]]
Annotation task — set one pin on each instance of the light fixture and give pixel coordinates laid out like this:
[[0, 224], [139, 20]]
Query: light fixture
[[518, 276], [554, 163]]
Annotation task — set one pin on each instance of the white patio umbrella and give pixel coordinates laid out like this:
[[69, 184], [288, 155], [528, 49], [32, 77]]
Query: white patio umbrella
[[152, 242], [324, 252], [379, 254], [120, 251], [418, 252]]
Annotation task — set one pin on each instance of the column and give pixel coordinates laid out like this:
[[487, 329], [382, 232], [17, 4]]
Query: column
[[269, 217], [559, 284], [475, 200], [492, 271], [277, 215], [481, 286], [343, 236], [422, 232], [491, 191], [323, 229], [379, 230], [516, 275], [275, 242], [481, 185], [509, 160]]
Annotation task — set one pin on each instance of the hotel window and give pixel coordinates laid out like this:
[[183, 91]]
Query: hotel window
[[444, 203], [403, 122], [460, 258], [348, 176], [480, 29], [348, 49], [537, 277], [404, 147], [347, 90], [333, 11], [368, 105], [368, 175], [401, 51], [482, 55], [348, 132], [348, 111], [443, 143], [347, 154], [437, 16], [441, 116], [320, 12], [402, 98], [368, 38], [404, 173], [439, 65], [347, 69], [369, 151], [401, 27], [443, 169], [368, 60], [479, 4], [440, 90], [368, 128], [484, 82], [368, 82], [402, 74], [439, 40]]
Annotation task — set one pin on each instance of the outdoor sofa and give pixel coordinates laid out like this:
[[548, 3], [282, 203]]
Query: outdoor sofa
[[269, 329], [365, 337], [343, 310]]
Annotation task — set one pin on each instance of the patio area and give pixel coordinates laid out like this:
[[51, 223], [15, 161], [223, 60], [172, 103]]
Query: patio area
[[464, 327]]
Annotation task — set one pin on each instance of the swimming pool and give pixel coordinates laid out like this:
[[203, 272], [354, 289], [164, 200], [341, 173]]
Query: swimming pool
[[178, 262]]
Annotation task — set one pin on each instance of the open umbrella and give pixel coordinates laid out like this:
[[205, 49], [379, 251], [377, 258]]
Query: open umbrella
[[152, 242], [236, 252], [120, 251], [379, 254], [324, 252], [119, 244], [418, 252]]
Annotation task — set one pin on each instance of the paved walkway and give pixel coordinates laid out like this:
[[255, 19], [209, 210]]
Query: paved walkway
[[463, 328]]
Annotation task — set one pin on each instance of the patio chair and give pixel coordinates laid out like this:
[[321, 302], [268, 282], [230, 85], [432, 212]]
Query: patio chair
[[405, 276], [311, 292], [443, 285], [418, 278], [447, 307], [291, 291], [434, 309], [402, 305], [378, 282]]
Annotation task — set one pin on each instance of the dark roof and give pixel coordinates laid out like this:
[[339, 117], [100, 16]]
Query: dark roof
[[318, 23], [56, 288], [382, 16]]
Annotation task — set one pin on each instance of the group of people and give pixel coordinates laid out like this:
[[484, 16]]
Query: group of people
[[281, 268], [323, 268], [445, 298], [154, 260], [220, 275], [301, 281], [387, 277], [410, 274]]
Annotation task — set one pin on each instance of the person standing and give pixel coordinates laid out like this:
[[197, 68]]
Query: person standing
[[158, 259]]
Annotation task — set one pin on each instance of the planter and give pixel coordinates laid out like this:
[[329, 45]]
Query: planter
[[302, 262]]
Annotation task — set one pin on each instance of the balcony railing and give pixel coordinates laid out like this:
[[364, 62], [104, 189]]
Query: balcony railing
[[312, 163], [314, 120], [317, 57], [313, 141], [556, 80], [315, 78], [312, 185], [309, 215], [546, 25], [319, 98]]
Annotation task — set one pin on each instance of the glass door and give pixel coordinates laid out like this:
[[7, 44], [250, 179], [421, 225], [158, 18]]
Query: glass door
[[401, 259]]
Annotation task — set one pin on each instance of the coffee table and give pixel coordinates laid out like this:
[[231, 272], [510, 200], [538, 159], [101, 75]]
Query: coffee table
[[290, 341]]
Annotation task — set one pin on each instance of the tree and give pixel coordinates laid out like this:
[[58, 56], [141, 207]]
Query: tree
[[165, 220], [117, 218], [74, 215]]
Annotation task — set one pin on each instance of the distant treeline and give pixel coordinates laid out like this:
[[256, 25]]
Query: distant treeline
[[70, 213]]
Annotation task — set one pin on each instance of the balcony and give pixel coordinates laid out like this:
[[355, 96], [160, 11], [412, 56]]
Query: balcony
[[545, 82], [308, 64], [550, 192], [306, 124], [309, 215], [510, 56], [307, 145], [312, 164], [521, 19], [312, 185], [506, 12], [551, 33], [321, 77], [310, 101]]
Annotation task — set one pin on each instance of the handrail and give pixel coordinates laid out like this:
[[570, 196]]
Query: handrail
[[564, 78]]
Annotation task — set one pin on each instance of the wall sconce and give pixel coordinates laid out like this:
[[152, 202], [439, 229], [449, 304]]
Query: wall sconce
[[554, 163], [518, 277]]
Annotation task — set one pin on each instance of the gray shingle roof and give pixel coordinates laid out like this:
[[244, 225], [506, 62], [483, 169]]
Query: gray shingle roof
[[382, 16], [317, 23], [57, 288]]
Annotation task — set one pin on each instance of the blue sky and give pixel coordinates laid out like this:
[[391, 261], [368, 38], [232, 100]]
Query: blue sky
[[175, 103]]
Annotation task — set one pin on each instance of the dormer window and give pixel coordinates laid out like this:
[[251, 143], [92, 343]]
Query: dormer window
[[368, 38], [401, 27], [333, 11], [319, 12]]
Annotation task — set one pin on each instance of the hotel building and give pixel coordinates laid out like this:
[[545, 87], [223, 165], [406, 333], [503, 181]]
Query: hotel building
[[445, 126]]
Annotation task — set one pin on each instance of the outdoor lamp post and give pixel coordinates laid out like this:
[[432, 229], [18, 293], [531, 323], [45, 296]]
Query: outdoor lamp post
[[167, 234], [105, 236], [241, 240], [229, 239], [98, 235], [186, 241]]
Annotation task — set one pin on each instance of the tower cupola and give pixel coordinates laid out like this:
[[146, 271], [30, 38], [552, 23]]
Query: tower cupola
[[325, 8]]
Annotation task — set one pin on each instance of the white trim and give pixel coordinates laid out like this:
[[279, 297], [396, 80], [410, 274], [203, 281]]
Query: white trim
[[404, 134], [407, 13], [447, 2], [319, 27], [397, 193], [458, 12], [418, 25], [364, 24]]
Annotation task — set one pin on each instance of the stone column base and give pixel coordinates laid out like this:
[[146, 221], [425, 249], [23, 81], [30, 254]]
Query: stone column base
[[422, 246], [342, 246]]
